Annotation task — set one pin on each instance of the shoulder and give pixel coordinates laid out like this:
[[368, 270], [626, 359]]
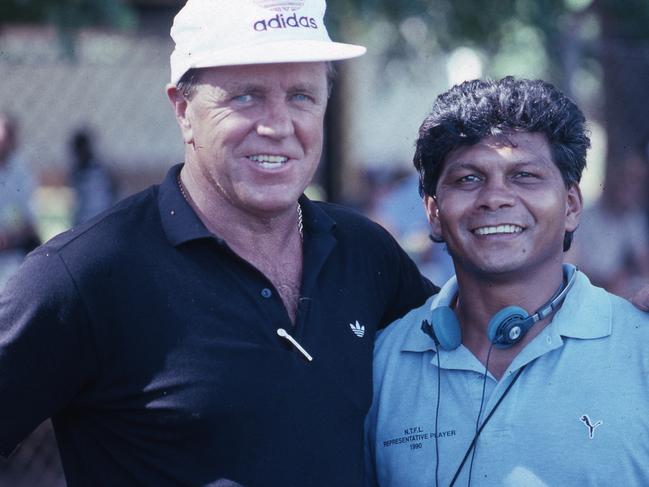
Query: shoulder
[[127, 216], [357, 231], [365, 246], [99, 242], [616, 334], [403, 333], [618, 307], [625, 315], [70, 273], [590, 312]]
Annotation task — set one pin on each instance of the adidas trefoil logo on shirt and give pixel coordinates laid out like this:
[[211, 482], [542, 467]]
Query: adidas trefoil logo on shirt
[[358, 329]]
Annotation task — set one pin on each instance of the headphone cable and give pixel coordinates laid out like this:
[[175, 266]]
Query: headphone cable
[[475, 438], [439, 377], [477, 421]]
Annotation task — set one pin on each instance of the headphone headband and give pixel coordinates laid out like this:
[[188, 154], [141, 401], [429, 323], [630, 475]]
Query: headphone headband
[[505, 328], [569, 275], [509, 325]]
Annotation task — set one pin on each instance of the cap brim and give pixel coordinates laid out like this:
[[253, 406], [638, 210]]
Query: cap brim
[[304, 51]]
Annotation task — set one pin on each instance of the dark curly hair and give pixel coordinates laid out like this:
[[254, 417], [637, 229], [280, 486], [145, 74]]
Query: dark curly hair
[[473, 110]]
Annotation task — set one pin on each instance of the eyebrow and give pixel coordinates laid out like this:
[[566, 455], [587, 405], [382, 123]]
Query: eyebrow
[[477, 165], [236, 86], [304, 86]]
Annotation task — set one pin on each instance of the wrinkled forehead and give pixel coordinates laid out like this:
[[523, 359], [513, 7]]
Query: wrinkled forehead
[[286, 75]]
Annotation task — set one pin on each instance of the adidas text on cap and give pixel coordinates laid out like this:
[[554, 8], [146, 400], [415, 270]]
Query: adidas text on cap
[[210, 33]]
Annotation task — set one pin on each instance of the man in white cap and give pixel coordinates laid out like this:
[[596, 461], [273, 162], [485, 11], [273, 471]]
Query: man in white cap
[[216, 329]]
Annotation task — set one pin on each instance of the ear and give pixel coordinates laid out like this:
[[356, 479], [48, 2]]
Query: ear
[[574, 207], [432, 212], [180, 104]]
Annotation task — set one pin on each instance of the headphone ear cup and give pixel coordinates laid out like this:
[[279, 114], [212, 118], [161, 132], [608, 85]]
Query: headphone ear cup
[[508, 326], [446, 328]]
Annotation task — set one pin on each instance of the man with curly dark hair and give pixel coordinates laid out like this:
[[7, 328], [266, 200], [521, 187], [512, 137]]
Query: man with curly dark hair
[[508, 371]]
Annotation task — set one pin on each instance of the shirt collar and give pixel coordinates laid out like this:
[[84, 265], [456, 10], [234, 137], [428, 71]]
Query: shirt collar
[[315, 220], [179, 221], [585, 314], [417, 340], [181, 224]]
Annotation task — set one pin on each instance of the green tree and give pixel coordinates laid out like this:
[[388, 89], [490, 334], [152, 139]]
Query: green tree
[[68, 16]]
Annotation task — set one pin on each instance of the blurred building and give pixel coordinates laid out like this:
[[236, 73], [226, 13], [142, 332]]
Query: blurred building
[[112, 81]]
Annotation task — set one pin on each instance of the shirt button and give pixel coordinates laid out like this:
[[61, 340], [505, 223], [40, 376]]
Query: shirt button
[[266, 293]]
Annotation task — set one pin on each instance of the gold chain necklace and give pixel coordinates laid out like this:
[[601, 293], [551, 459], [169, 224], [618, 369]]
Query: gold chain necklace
[[300, 226]]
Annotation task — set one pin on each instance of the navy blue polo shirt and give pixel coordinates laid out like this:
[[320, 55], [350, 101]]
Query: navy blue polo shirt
[[154, 348]]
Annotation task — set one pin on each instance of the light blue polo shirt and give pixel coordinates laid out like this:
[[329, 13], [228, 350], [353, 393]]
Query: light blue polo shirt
[[589, 366]]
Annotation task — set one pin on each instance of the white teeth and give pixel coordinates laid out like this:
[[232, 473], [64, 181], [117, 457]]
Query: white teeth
[[267, 160], [498, 229]]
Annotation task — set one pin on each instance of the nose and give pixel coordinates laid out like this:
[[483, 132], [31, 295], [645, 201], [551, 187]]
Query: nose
[[496, 194], [277, 122]]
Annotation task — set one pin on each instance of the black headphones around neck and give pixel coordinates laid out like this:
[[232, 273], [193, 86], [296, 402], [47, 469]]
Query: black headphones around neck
[[506, 328]]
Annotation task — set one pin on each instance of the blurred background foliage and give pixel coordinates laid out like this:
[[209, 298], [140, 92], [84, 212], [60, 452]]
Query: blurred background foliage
[[596, 51], [545, 32], [69, 16]]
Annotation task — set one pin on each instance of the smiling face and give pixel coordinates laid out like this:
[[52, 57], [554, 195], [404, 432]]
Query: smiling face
[[501, 206], [254, 133]]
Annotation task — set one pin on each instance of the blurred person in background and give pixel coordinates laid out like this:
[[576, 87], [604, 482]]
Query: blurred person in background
[[93, 185], [399, 210], [17, 224], [612, 245]]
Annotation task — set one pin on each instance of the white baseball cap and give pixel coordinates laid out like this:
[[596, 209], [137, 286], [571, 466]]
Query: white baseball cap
[[210, 33]]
